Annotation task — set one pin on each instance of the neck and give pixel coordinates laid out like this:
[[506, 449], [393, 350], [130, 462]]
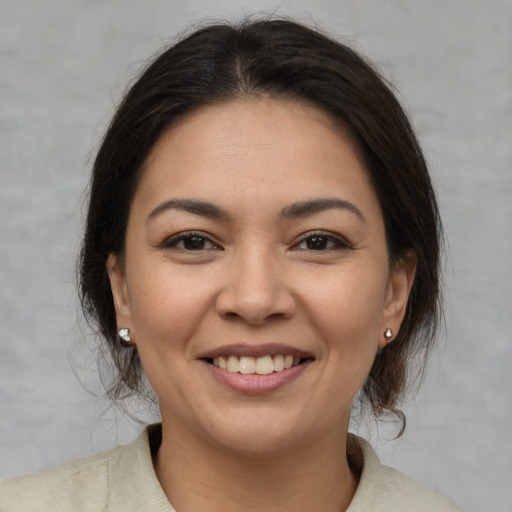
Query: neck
[[197, 475]]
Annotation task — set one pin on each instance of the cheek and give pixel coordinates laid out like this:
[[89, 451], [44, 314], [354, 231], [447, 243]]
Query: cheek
[[348, 318], [349, 305], [168, 305]]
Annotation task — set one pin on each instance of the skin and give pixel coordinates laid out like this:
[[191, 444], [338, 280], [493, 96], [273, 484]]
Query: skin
[[255, 277]]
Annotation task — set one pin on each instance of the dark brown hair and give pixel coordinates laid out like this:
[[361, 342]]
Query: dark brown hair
[[280, 59]]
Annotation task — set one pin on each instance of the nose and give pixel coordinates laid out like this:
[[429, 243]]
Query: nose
[[256, 289]]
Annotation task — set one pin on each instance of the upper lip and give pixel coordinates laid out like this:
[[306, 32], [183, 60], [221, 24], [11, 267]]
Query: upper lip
[[260, 350]]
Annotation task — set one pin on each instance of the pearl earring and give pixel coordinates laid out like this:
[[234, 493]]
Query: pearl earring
[[388, 334]]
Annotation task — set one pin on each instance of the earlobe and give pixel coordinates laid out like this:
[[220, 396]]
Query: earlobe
[[399, 287], [119, 290]]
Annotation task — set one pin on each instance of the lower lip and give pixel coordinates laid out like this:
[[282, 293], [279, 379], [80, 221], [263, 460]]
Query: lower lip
[[254, 384]]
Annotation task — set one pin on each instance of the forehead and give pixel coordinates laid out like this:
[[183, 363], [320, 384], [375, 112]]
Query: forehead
[[253, 150]]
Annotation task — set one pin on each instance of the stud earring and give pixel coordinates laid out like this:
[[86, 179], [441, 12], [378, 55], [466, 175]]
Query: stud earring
[[124, 337], [388, 334]]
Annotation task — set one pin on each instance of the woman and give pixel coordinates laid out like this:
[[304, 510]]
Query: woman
[[263, 242]]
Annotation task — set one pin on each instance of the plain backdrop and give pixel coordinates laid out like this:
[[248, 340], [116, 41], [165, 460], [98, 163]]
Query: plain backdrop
[[63, 67]]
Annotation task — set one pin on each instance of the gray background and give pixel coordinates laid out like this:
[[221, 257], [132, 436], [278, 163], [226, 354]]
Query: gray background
[[63, 67]]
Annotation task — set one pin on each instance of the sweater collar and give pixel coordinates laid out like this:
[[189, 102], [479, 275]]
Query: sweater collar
[[133, 481], [135, 486]]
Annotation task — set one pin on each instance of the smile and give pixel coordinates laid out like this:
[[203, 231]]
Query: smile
[[256, 368], [264, 365]]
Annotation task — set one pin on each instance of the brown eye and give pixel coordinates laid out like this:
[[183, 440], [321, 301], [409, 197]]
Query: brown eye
[[190, 242], [321, 242], [194, 243], [317, 243]]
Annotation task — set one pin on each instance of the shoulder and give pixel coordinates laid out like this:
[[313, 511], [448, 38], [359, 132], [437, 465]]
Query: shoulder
[[119, 479], [406, 493], [81, 484], [384, 489]]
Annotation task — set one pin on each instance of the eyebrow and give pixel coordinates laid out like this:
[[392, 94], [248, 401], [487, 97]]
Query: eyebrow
[[195, 206], [305, 208], [292, 211]]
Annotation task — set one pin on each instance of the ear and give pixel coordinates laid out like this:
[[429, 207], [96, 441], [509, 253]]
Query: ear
[[397, 294], [116, 274]]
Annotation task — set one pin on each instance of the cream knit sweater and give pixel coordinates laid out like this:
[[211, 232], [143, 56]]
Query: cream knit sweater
[[123, 480]]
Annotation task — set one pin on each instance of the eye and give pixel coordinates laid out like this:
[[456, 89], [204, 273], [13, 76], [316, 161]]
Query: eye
[[190, 242], [321, 242]]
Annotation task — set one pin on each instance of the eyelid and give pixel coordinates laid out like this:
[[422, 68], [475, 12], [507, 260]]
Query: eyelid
[[340, 241], [173, 240]]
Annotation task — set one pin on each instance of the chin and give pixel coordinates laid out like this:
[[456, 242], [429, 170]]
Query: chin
[[260, 434]]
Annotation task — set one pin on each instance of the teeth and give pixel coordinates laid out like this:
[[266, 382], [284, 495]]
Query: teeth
[[260, 365], [247, 365], [264, 365], [278, 363], [233, 364]]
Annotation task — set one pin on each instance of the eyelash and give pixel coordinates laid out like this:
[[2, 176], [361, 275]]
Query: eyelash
[[328, 238], [338, 242], [173, 241]]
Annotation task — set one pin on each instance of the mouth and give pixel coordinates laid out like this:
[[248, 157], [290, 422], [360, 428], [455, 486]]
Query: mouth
[[262, 365], [257, 368]]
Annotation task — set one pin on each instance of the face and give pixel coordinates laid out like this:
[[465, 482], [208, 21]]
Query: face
[[256, 281]]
